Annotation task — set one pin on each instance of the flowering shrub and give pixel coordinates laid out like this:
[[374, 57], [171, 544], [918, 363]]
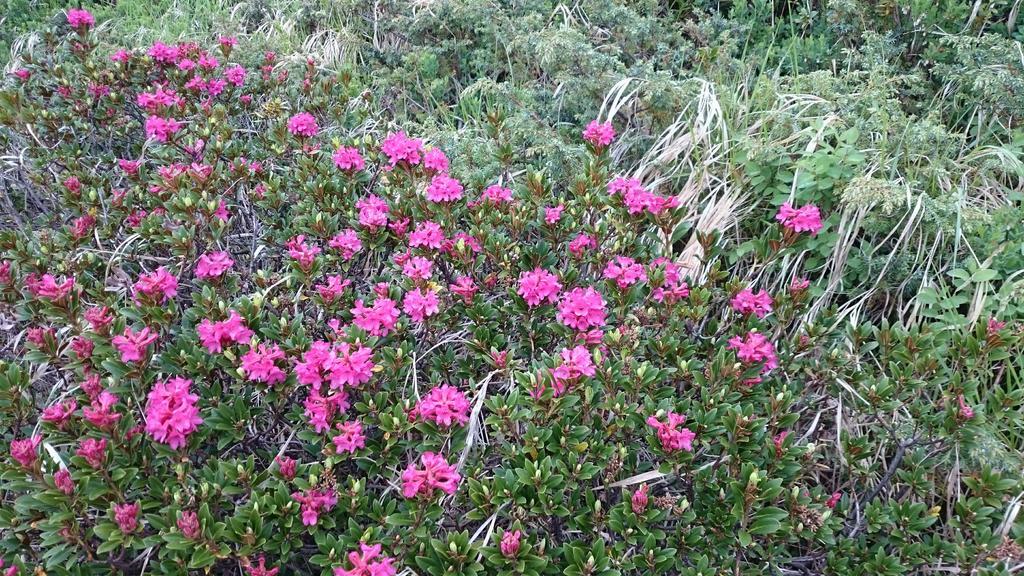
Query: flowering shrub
[[254, 333]]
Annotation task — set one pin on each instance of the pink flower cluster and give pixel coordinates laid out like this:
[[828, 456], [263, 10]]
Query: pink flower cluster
[[161, 129], [400, 149], [215, 336], [349, 159], [260, 364], [444, 188], [80, 18], [539, 285], [599, 134], [748, 302], [373, 212], [132, 345], [213, 265], [435, 473], [420, 304], [379, 319], [171, 412], [25, 451], [347, 243], [670, 433], [303, 253], [313, 503], [368, 562], [156, 287], [350, 437], [638, 199], [444, 405], [625, 272], [582, 309], [303, 124], [340, 365], [806, 218], [754, 348]]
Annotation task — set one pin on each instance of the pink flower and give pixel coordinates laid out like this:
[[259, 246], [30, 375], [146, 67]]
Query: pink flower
[[798, 285], [341, 364], [260, 569], [304, 254], [348, 159], [747, 302], [624, 271], [235, 75], [286, 466], [420, 304], [581, 243], [79, 18], [755, 348], [313, 503], [993, 326], [347, 243], [99, 317], [637, 199], [127, 516], [418, 268], [62, 480], [368, 562], [510, 543], [444, 406], [435, 161], [351, 437], [639, 500], [464, 287], [303, 124], [47, 287], [582, 309], [444, 188], [259, 364], [171, 412], [373, 212], [833, 499], [333, 288], [378, 320], [320, 409], [427, 235], [93, 450], [215, 336], [965, 411], [121, 56], [497, 195], [157, 287], [435, 473], [189, 524], [806, 218], [401, 149], [132, 345], [100, 412], [670, 434], [60, 414], [539, 285], [213, 265], [598, 134], [779, 439], [161, 129], [576, 362], [24, 451], [552, 214]]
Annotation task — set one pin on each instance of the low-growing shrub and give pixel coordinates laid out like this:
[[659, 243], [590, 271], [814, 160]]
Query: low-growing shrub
[[253, 327]]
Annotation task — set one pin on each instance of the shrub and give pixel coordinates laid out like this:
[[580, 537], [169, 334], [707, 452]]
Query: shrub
[[256, 326]]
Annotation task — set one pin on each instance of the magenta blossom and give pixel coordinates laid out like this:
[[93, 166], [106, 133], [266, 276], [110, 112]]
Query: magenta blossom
[[445, 406], [171, 412], [599, 134], [806, 218], [132, 345], [435, 473], [672, 436], [303, 125], [582, 309]]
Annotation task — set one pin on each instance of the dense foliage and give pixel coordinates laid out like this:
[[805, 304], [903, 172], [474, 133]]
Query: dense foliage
[[529, 290]]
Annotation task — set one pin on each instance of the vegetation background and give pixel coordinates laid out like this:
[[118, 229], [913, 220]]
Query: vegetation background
[[900, 119]]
